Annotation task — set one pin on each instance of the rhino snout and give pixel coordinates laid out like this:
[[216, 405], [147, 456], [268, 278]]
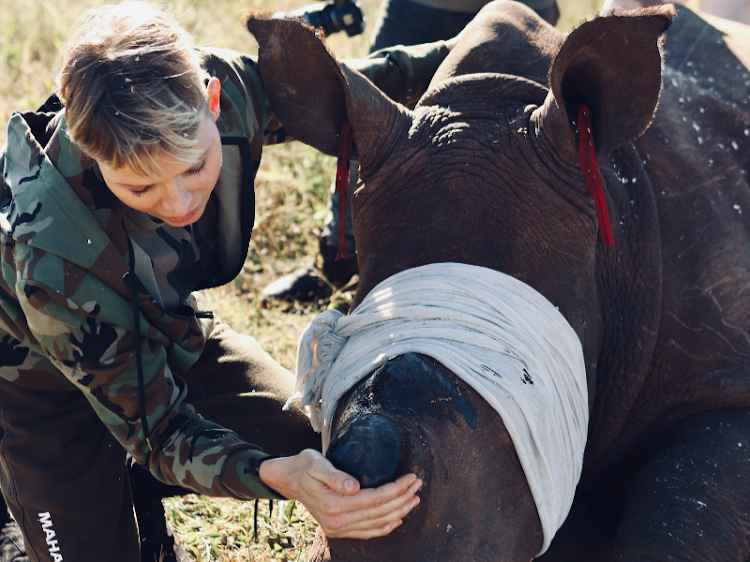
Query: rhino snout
[[368, 448]]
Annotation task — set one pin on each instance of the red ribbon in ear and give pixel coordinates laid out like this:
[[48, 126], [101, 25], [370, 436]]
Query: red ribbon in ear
[[591, 172], [342, 183]]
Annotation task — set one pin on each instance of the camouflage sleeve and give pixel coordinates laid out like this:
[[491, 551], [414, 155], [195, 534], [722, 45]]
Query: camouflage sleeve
[[403, 73], [93, 345]]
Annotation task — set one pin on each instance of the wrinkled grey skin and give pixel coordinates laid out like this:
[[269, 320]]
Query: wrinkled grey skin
[[485, 171]]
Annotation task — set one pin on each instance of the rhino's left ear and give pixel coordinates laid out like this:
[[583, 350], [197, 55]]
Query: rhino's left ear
[[313, 94], [312, 76], [613, 65]]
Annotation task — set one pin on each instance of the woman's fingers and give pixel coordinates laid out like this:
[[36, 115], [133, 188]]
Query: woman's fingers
[[369, 529], [323, 471], [335, 499], [378, 517], [366, 534], [338, 482]]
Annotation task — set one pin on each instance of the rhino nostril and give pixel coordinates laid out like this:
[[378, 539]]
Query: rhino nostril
[[369, 449]]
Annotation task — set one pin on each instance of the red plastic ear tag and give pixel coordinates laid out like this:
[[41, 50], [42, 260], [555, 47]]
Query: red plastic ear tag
[[591, 172], [342, 183]]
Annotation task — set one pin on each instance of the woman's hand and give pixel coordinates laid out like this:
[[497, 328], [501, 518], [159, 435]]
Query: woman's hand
[[334, 498]]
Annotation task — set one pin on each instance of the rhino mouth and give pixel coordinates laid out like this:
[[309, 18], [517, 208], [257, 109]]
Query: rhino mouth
[[495, 333]]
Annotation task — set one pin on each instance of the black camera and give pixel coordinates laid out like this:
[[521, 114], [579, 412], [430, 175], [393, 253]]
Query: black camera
[[335, 16]]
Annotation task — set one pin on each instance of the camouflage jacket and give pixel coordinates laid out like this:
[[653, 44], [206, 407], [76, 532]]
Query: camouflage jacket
[[67, 309]]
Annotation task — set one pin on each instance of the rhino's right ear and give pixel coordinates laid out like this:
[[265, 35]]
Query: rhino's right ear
[[613, 65], [312, 94]]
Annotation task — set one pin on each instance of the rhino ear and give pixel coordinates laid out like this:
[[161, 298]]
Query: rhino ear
[[613, 65], [301, 79], [312, 94]]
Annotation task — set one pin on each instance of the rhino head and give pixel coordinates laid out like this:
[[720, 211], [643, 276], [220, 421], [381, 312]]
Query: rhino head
[[484, 171]]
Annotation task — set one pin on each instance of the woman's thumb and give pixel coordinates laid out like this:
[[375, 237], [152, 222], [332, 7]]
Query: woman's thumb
[[337, 480]]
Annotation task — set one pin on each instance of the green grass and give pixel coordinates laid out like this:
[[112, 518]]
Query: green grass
[[211, 529], [291, 195]]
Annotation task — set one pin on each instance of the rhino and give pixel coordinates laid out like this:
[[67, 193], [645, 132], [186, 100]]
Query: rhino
[[492, 170]]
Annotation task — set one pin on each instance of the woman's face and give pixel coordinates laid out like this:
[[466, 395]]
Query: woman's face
[[178, 196]]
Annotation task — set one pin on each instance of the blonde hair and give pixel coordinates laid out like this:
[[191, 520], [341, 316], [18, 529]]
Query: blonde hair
[[133, 87]]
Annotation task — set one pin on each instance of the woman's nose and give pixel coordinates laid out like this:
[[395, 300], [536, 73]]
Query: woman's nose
[[177, 199]]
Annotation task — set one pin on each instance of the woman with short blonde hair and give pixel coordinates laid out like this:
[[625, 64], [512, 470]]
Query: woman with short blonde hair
[[122, 197]]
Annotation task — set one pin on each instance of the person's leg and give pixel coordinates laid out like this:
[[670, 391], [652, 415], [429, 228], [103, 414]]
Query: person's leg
[[737, 10], [239, 386], [63, 477], [156, 537], [401, 22]]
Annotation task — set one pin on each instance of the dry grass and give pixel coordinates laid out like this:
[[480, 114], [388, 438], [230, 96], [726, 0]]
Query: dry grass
[[291, 194], [218, 529]]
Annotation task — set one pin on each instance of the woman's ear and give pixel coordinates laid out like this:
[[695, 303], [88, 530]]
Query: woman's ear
[[213, 90]]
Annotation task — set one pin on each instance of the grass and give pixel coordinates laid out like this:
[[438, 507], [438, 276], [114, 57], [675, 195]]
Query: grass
[[219, 529], [291, 195]]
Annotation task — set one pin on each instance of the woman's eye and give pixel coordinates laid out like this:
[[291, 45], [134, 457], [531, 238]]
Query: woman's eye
[[198, 170], [142, 191]]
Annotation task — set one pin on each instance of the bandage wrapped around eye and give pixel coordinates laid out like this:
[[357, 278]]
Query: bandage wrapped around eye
[[497, 334]]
